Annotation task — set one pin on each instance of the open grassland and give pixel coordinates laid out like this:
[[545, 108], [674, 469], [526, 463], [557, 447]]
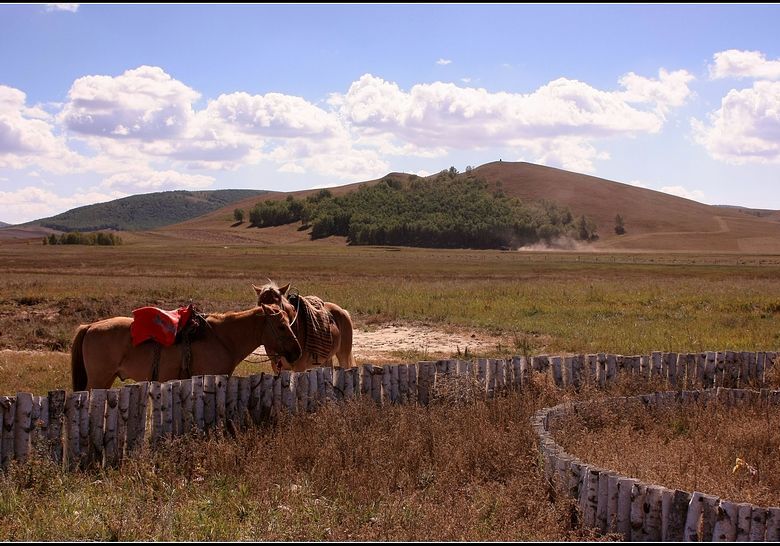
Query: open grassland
[[540, 302], [693, 447], [446, 472]]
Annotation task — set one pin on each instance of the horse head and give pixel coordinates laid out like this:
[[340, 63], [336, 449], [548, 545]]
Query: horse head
[[270, 294], [278, 337]]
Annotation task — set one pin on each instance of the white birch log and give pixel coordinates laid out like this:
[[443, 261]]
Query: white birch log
[[110, 434], [413, 388], [557, 371], [220, 397], [267, 398], [692, 520], [288, 396], [403, 384], [22, 425], [744, 511], [209, 401], [678, 513], [773, 525], [602, 506], [256, 397], [39, 419], [96, 426], [245, 398], [758, 518], [72, 424], [56, 411], [231, 401], [166, 406], [84, 439], [591, 498], [366, 381], [377, 373], [314, 376], [625, 487], [327, 380], [612, 502], [395, 379], [352, 383], [324, 377], [186, 402], [637, 512], [141, 421], [653, 523], [198, 403], [338, 383], [725, 529], [123, 426], [673, 370], [155, 393]]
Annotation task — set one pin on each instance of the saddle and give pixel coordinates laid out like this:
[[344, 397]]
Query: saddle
[[166, 328]]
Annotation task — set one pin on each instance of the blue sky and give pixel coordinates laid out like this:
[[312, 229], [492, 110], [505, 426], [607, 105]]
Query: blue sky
[[102, 101]]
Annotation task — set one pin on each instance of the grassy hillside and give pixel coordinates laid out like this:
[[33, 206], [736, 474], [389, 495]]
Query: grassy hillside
[[146, 211]]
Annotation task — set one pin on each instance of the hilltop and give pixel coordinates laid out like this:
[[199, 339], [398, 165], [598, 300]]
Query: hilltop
[[145, 211]]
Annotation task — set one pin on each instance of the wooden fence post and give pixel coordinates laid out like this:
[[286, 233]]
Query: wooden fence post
[[111, 441]]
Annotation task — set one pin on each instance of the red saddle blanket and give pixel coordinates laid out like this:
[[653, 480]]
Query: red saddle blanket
[[157, 324]]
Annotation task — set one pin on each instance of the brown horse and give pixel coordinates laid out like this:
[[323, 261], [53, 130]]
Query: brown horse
[[340, 323], [103, 350]]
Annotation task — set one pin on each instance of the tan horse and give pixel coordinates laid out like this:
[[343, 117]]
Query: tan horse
[[340, 330], [103, 350]]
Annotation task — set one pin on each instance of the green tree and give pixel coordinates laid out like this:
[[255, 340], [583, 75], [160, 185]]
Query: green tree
[[238, 215]]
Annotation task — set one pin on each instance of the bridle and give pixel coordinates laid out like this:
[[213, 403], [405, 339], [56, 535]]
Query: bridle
[[273, 357]]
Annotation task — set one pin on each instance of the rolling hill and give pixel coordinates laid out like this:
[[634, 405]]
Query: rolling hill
[[146, 211], [654, 221]]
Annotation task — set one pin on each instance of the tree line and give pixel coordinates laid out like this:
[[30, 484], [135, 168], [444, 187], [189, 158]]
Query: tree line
[[78, 238], [446, 211]]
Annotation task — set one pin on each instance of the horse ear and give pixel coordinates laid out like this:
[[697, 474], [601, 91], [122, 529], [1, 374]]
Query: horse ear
[[257, 289], [283, 289]]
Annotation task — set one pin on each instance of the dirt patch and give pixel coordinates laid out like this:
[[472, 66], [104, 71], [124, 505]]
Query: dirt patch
[[409, 342]]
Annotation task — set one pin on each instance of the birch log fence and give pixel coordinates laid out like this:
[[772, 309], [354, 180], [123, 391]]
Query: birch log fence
[[643, 512], [104, 426]]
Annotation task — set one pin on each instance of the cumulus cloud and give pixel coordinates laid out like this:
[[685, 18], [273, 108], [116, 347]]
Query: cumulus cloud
[[27, 136], [32, 202], [144, 181], [746, 127], [444, 62], [735, 63], [73, 8], [558, 118], [680, 191], [144, 103]]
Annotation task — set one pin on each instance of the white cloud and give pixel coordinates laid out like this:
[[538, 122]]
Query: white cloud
[[466, 80], [735, 63], [444, 62], [746, 127], [670, 90], [144, 103], [637, 183], [27, 136], [557, 122], [73, 8], [31, 202], [680, 191], [144, 181]]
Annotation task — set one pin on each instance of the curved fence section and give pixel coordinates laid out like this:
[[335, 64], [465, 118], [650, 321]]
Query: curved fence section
[[646, 512]]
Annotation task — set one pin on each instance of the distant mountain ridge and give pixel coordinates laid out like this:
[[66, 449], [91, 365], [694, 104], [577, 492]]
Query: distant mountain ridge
[[3, 224], [145, 211]]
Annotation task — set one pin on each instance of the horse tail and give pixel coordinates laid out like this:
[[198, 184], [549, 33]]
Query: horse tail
[[345, 348], [77, 368]]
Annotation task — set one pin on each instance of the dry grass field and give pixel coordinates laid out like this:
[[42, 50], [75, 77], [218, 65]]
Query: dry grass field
[[447, 472], [693, 447]]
